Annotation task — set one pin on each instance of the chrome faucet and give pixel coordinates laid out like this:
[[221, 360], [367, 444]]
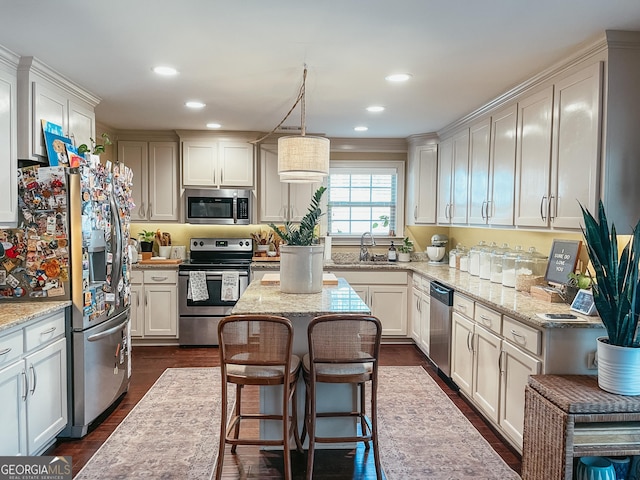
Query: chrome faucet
[[364, 251]]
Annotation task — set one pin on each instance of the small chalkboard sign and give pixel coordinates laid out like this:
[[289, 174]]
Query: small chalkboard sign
[[562, 261]]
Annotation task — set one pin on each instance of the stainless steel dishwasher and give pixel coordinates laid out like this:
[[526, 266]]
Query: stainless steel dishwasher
[[440, 332]]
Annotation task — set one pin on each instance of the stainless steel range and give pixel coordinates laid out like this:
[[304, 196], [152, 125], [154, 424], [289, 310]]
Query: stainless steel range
[[224, 264]]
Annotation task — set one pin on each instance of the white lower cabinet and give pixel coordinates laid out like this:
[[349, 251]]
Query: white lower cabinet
[[420, 324], [486, 371], [386, 294], [33, 386], [154, 302]]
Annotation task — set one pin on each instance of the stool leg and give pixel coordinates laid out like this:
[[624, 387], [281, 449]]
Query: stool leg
[[374, 427], [223, 432], [286, 430], [294, 416], [311, 427], [238, 413], [363, 412]]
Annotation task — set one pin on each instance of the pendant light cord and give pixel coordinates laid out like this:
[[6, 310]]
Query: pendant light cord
[[301, 95]]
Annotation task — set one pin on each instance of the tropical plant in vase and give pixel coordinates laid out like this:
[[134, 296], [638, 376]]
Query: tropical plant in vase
[[304, 233], [615, 294]]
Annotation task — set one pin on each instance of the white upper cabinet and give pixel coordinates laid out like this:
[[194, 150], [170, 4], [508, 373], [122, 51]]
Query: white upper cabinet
[[8, 140], [215, 163], [155, 179], [453, 176], [503, 167], [534, 159], [422, 184], [479, 170], [575, 146], [43, 94]]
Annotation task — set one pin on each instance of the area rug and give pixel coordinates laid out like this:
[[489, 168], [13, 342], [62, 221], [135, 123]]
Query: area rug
[[172, 433], [423, 435]]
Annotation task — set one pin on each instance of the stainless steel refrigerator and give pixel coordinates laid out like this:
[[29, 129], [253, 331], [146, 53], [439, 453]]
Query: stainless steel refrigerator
[[72, 244]]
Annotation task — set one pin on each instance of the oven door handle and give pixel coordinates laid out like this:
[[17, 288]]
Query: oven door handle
[[214, 273]]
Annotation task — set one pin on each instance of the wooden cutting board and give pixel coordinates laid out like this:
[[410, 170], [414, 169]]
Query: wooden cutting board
[[274, 279], [164, 261]]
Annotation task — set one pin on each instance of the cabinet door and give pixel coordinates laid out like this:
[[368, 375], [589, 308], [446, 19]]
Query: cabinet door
[[50, 104], [82, 124], [460, 180], [300, 195], [425, 322], [479, 143], [445, 165], [415, 324], [199, 164], [363, 293], [575, 153], [13, 414], [502, 181], [137, 311], [462, 352], [389, 303], [8, 151], [135, 156], [47, 400], [516, 366], [163, 181], [423, 186], [274, 195], [534, 159], [486, 371], [161, 310], [236, 164]]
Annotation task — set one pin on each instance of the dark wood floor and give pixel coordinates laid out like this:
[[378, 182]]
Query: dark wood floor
[[150, 362]]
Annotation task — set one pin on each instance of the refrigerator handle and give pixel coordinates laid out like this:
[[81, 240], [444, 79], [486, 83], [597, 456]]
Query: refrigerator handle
[[116, 271]]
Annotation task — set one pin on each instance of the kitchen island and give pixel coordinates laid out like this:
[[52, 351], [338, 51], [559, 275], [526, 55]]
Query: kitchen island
[[301, 309]]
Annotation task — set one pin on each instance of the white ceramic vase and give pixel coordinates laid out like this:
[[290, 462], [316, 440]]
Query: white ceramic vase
[[301, 268], [404, 257], [618, 368]]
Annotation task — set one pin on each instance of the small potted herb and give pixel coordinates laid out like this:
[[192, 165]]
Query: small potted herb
[[404, 250], [146, 240]]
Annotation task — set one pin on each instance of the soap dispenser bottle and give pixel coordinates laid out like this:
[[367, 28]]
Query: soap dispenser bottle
[[391, 256]]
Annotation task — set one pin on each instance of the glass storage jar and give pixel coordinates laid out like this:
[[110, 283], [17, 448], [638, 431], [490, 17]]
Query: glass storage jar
[[485, 260], [452, 257], [497, 256], [474, 258], [509, 266], [530, 270], [462, 258]]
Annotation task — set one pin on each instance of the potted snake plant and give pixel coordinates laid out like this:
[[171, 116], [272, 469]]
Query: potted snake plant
[[301, 257], [616, 296]]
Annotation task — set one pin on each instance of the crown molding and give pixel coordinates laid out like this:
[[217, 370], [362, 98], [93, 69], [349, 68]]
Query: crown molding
[[8, 58]]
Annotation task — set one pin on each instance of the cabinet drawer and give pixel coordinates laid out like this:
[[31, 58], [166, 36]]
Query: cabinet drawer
[[137, 276], [161, 276], [44, 331], [522, 335], [10, 348], [463, 305], [488, 318]]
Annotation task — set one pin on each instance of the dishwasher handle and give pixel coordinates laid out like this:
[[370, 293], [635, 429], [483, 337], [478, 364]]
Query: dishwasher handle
[[441, 293]]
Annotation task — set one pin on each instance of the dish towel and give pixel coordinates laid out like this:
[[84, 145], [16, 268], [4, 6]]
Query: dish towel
[[230, 286], [198, 290]]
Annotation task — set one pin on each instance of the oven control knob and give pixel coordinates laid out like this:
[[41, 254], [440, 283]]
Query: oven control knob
[[241, 243]]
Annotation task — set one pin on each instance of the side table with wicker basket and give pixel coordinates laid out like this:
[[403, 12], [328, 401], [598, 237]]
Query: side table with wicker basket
[[569, 416]]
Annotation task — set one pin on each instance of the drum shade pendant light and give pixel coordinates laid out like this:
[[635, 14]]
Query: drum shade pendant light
[[303, 158]]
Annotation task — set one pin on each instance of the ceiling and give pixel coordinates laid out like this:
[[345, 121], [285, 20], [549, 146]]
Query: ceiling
[[245, 58]]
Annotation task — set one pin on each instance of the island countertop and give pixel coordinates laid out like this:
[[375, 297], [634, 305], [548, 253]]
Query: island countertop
[[268, 299], [16, 313]]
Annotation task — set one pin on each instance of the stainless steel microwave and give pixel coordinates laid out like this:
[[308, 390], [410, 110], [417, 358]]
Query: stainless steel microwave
[[218, 207]]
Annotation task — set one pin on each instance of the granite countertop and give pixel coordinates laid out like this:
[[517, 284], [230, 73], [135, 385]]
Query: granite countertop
[[159, 266], [268, 299], [15, 313], [519, 305]]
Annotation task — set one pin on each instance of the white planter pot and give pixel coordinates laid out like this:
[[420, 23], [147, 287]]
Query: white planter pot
[[301, 268], [618, 368], [404, 257]]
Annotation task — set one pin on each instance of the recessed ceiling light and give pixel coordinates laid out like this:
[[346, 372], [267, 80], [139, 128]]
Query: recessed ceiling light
[[165, 71], [195, 104], [213, 125], [375, 108], [398, 77], [361, 129]]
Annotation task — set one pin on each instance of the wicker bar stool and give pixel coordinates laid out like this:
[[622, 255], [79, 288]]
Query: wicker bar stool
[[256, 350], [343, 348]]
